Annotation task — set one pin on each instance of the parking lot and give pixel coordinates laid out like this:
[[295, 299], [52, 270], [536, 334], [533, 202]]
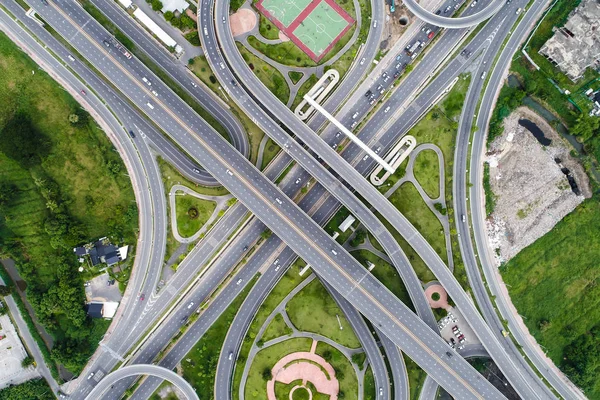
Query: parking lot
[[99, 290], [461, 332], [12, 353]]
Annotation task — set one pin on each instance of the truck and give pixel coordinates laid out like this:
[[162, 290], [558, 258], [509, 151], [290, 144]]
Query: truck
[[413, 48], [121, 48]]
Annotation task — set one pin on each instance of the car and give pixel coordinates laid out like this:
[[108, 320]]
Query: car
[[438, 12], [229, 172], [338, 134], [399, 57], [387, 78], [461, 341], [483, 74], [379, 87], [457, 6], [230, 356], [155, 93], [196, 170], [298, 181], [452, 340], [334, 252], [454, 328], [44, 2], [375, 24], [194, 84], [362, 61], [423, 29], [381, 391], [276, 261], [518, 10], [106, 43], [449, 354], [70, 57], [431, 34], [142, 297], [397, 74], [245, 248], [224, 20], [384, 74], [184, 318], [474, 3], [378, 150], [86, 284], [372, 101], [334, 146], [233, 82], [464, 218], [399, 65], [447, 9], [366, 157], [386, 109], [83, 92], [354, 124], [132, 134], [61, 395], [277, 268], [428, 31], [382, 90], [355, 115], [91, 375], [239, 281], [368, 93], [278, 200], [462, 346], [190, 305], [146, 81]]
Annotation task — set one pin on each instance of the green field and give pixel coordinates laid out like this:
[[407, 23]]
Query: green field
[[276, 328], [289, 281], [343, 370], [36, 389], [268, 75], [553, 283], [271, 150], [62, 184], [192, 213], [266, 359], [427, 172], [369, 391], [313, 310], [303, 89]]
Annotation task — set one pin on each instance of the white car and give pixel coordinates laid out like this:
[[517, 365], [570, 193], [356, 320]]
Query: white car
[[386, 109], [298, 181], [190, 305], [238, 282]]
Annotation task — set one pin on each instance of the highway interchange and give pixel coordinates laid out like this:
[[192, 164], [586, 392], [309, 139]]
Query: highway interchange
[[238, 176]]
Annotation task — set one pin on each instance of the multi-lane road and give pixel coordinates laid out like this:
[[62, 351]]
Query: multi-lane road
[[169, 114]]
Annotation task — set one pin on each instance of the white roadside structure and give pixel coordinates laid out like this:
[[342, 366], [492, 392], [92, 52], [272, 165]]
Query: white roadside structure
[[395, 158], [156, 30], [388, 167], [12, 353], [318, 92]]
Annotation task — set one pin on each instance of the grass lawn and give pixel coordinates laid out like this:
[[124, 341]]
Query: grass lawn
[[201, 69], [285, 53], [553, 282], [416, 377], [282, 391], [276, 328], [267, 29], [410, 203], [172, 177], [192, 213], [295, 76], [271, 150], [200, 372], [335, 222], [267, 74], [369, 385], [427, 172], [313, 310], [266, 359], [34, 389], [343, 370], [386, 274], [303, 89], [290, 280], [59, 174]]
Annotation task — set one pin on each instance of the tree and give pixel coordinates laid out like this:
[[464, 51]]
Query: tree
[[73, 118], [27, 361], [266, 234], [4, 290], [267, 375], [157, 5], [585, 127], [169, 15]]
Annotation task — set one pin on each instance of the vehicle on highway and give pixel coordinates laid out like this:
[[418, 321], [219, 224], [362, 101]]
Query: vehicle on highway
[[483, 74], [365, 157], [449, 354], [368, 94], [233, 82], [155, 93], [334, 252], [70, 57], [83, 92], [196, 170], [278, 200], [132, 134], [44, 2], [431, 34], [355, 115], [239, 281], [362, 61], [230, 356], [276, 261], [190, 305], [86, 284], [91, 375], [396, 74], [224, 20], [106, 43], [386, 109], [474, 3], [229, 172], [142, 297], [338, 134], [146, 81], [518, 10], [245, 248], [193, 83], [298, 181], [378, 150], [354, 124], [334, 146], [447, 9], [372, 101], [381, 391], [150, 106]]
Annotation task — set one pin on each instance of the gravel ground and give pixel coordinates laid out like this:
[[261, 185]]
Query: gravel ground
[[532, 193]]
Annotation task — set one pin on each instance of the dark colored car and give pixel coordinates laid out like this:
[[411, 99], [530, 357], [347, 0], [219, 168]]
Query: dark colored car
[[132, 134]]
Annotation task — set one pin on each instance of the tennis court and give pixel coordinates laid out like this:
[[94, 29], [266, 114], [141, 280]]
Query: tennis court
[[314, 26]]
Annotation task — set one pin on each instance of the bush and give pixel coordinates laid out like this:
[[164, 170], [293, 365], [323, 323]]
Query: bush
[[157, 5]]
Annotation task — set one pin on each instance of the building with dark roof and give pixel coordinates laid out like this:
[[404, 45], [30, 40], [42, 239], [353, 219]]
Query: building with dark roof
[[95, 310], [102, 251]]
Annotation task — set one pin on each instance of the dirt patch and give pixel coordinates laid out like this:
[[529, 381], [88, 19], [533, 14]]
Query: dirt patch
[[243, 21], [530, 184], [437, 297], [396, 23]]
